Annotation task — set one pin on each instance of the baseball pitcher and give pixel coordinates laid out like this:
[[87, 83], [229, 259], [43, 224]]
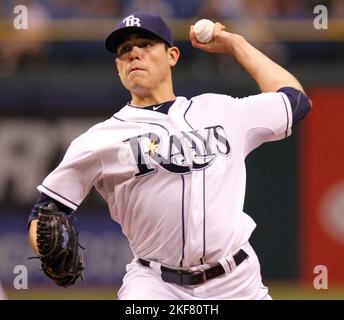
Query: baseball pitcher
[[171, 169]]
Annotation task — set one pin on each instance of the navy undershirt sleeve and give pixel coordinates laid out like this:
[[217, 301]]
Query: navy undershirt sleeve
[[300, 103], [44, 200]]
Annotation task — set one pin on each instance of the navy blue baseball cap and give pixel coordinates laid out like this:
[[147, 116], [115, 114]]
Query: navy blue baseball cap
[[139, 22]]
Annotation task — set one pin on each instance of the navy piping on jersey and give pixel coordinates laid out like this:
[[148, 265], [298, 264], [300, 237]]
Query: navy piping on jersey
[[204, 211], [203, 217], [286, 110], [185, 115], [60, 196], [183, 220], [152, 123]]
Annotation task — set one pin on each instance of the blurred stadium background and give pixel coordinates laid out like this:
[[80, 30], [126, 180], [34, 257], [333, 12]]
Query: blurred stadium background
[[56, 80]]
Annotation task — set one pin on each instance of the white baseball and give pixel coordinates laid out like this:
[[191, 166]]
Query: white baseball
[[204, 30]]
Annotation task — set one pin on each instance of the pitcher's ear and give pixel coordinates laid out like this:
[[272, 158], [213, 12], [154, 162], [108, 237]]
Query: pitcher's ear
[[173, 55]]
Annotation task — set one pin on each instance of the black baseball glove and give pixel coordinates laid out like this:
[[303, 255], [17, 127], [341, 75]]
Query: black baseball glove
[[59, 250]]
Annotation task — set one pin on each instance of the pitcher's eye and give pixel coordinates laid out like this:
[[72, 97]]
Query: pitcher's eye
[[146, 44], [124, 49]]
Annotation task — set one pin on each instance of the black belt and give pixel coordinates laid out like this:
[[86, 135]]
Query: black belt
[[187, 277]]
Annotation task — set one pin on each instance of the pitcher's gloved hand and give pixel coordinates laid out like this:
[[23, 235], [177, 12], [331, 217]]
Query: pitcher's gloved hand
[[59, 250]]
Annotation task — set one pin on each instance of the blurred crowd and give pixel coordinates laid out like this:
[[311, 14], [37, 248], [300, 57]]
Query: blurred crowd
[[31, 45], [220, 9]]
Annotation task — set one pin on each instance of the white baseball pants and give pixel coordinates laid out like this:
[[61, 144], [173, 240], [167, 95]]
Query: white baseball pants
[[243, 283]]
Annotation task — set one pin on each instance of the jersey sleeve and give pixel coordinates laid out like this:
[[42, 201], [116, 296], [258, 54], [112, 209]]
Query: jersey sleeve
[[73, 178], [264, 117]]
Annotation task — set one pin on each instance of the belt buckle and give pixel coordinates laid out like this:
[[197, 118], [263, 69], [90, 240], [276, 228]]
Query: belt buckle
[[204, 276]]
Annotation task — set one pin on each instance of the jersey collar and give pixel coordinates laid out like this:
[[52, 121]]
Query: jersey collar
[[132, 113], [161, 107]]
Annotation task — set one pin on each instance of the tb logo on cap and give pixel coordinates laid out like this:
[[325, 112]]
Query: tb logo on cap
[[131, 21]]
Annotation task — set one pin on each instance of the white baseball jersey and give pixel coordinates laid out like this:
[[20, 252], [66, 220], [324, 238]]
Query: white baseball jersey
[[175, 182]]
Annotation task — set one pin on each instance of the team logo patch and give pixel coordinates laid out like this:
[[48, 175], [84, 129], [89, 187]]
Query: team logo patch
[[132, 21]]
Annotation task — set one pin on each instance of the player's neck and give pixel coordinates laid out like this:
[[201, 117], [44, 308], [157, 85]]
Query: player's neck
[[152, 98]]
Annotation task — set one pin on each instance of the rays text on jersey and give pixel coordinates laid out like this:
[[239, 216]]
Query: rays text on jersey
[[180, 153]]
